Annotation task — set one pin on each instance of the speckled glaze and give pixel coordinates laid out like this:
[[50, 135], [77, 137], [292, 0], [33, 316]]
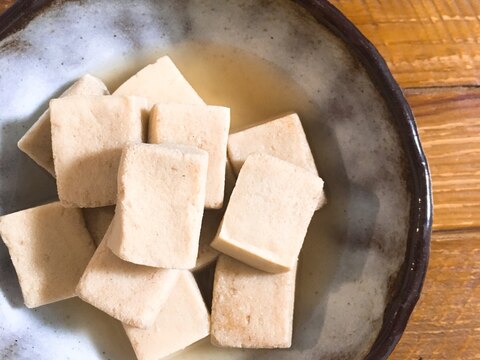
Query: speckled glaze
[[365, 256]]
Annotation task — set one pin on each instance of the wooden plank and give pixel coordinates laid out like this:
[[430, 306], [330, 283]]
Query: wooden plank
[[5, 4], [446, 321], [425, 42], [449, 126]]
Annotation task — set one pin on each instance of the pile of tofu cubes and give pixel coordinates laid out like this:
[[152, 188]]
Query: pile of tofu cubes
[[157, 152]]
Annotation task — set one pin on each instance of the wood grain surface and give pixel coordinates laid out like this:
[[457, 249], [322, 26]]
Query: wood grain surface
[[425, 42], [4, 4], [446, 322], [448, 120], [436, 43]]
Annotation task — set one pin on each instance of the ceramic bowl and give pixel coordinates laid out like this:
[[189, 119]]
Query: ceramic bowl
[[366, 253]]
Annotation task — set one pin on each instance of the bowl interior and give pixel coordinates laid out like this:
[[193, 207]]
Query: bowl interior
[[261, 58]]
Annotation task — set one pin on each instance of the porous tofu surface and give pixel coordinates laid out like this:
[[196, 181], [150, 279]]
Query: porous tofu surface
[[88, 135], [128, 292], [161, 197], [283, 138], [205, 127], [160, 82], [251, 308], [267, 218], [98, 220], [37, 141], [183, 320], [50, 248]]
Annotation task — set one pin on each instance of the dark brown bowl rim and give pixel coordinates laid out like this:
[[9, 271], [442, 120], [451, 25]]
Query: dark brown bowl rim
[[410, 282]]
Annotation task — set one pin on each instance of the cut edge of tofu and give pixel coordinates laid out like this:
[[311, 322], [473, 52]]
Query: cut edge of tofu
[[248, 254]]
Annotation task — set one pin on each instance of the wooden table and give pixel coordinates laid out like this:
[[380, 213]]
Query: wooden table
[[433, 50]]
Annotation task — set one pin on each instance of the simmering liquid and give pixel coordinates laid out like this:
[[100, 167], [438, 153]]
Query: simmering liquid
[[256, 90]]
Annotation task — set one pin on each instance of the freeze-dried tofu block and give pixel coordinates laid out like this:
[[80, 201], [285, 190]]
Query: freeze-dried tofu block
[[283, 138], [88, 135], [98, 220], [133, 294], [161, 193], [269, 211], [205, 127], [160, 82], [50, 248], [251, 308], [37, 141], [183, 320]]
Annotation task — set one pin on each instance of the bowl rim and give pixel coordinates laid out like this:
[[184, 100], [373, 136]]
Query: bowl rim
[[411, 277], [410, 280]]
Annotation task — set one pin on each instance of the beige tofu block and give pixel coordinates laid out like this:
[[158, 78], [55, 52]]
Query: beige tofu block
[[98, 220], [160, 82], [283, 138], [205, 127], [88, 135], [267, 218], [133, 294], [251, 308], [50, 248], [182, 321], [161, 193], [37, 141]]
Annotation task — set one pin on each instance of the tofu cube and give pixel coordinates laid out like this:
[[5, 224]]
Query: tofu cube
[[88, 135], [251, 308], [161, 193], [160, 82], [266, 220], [205, 127], [283, 138], [133, 294], [50, 248], [183, 320], [98, 220], [37, 141]]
